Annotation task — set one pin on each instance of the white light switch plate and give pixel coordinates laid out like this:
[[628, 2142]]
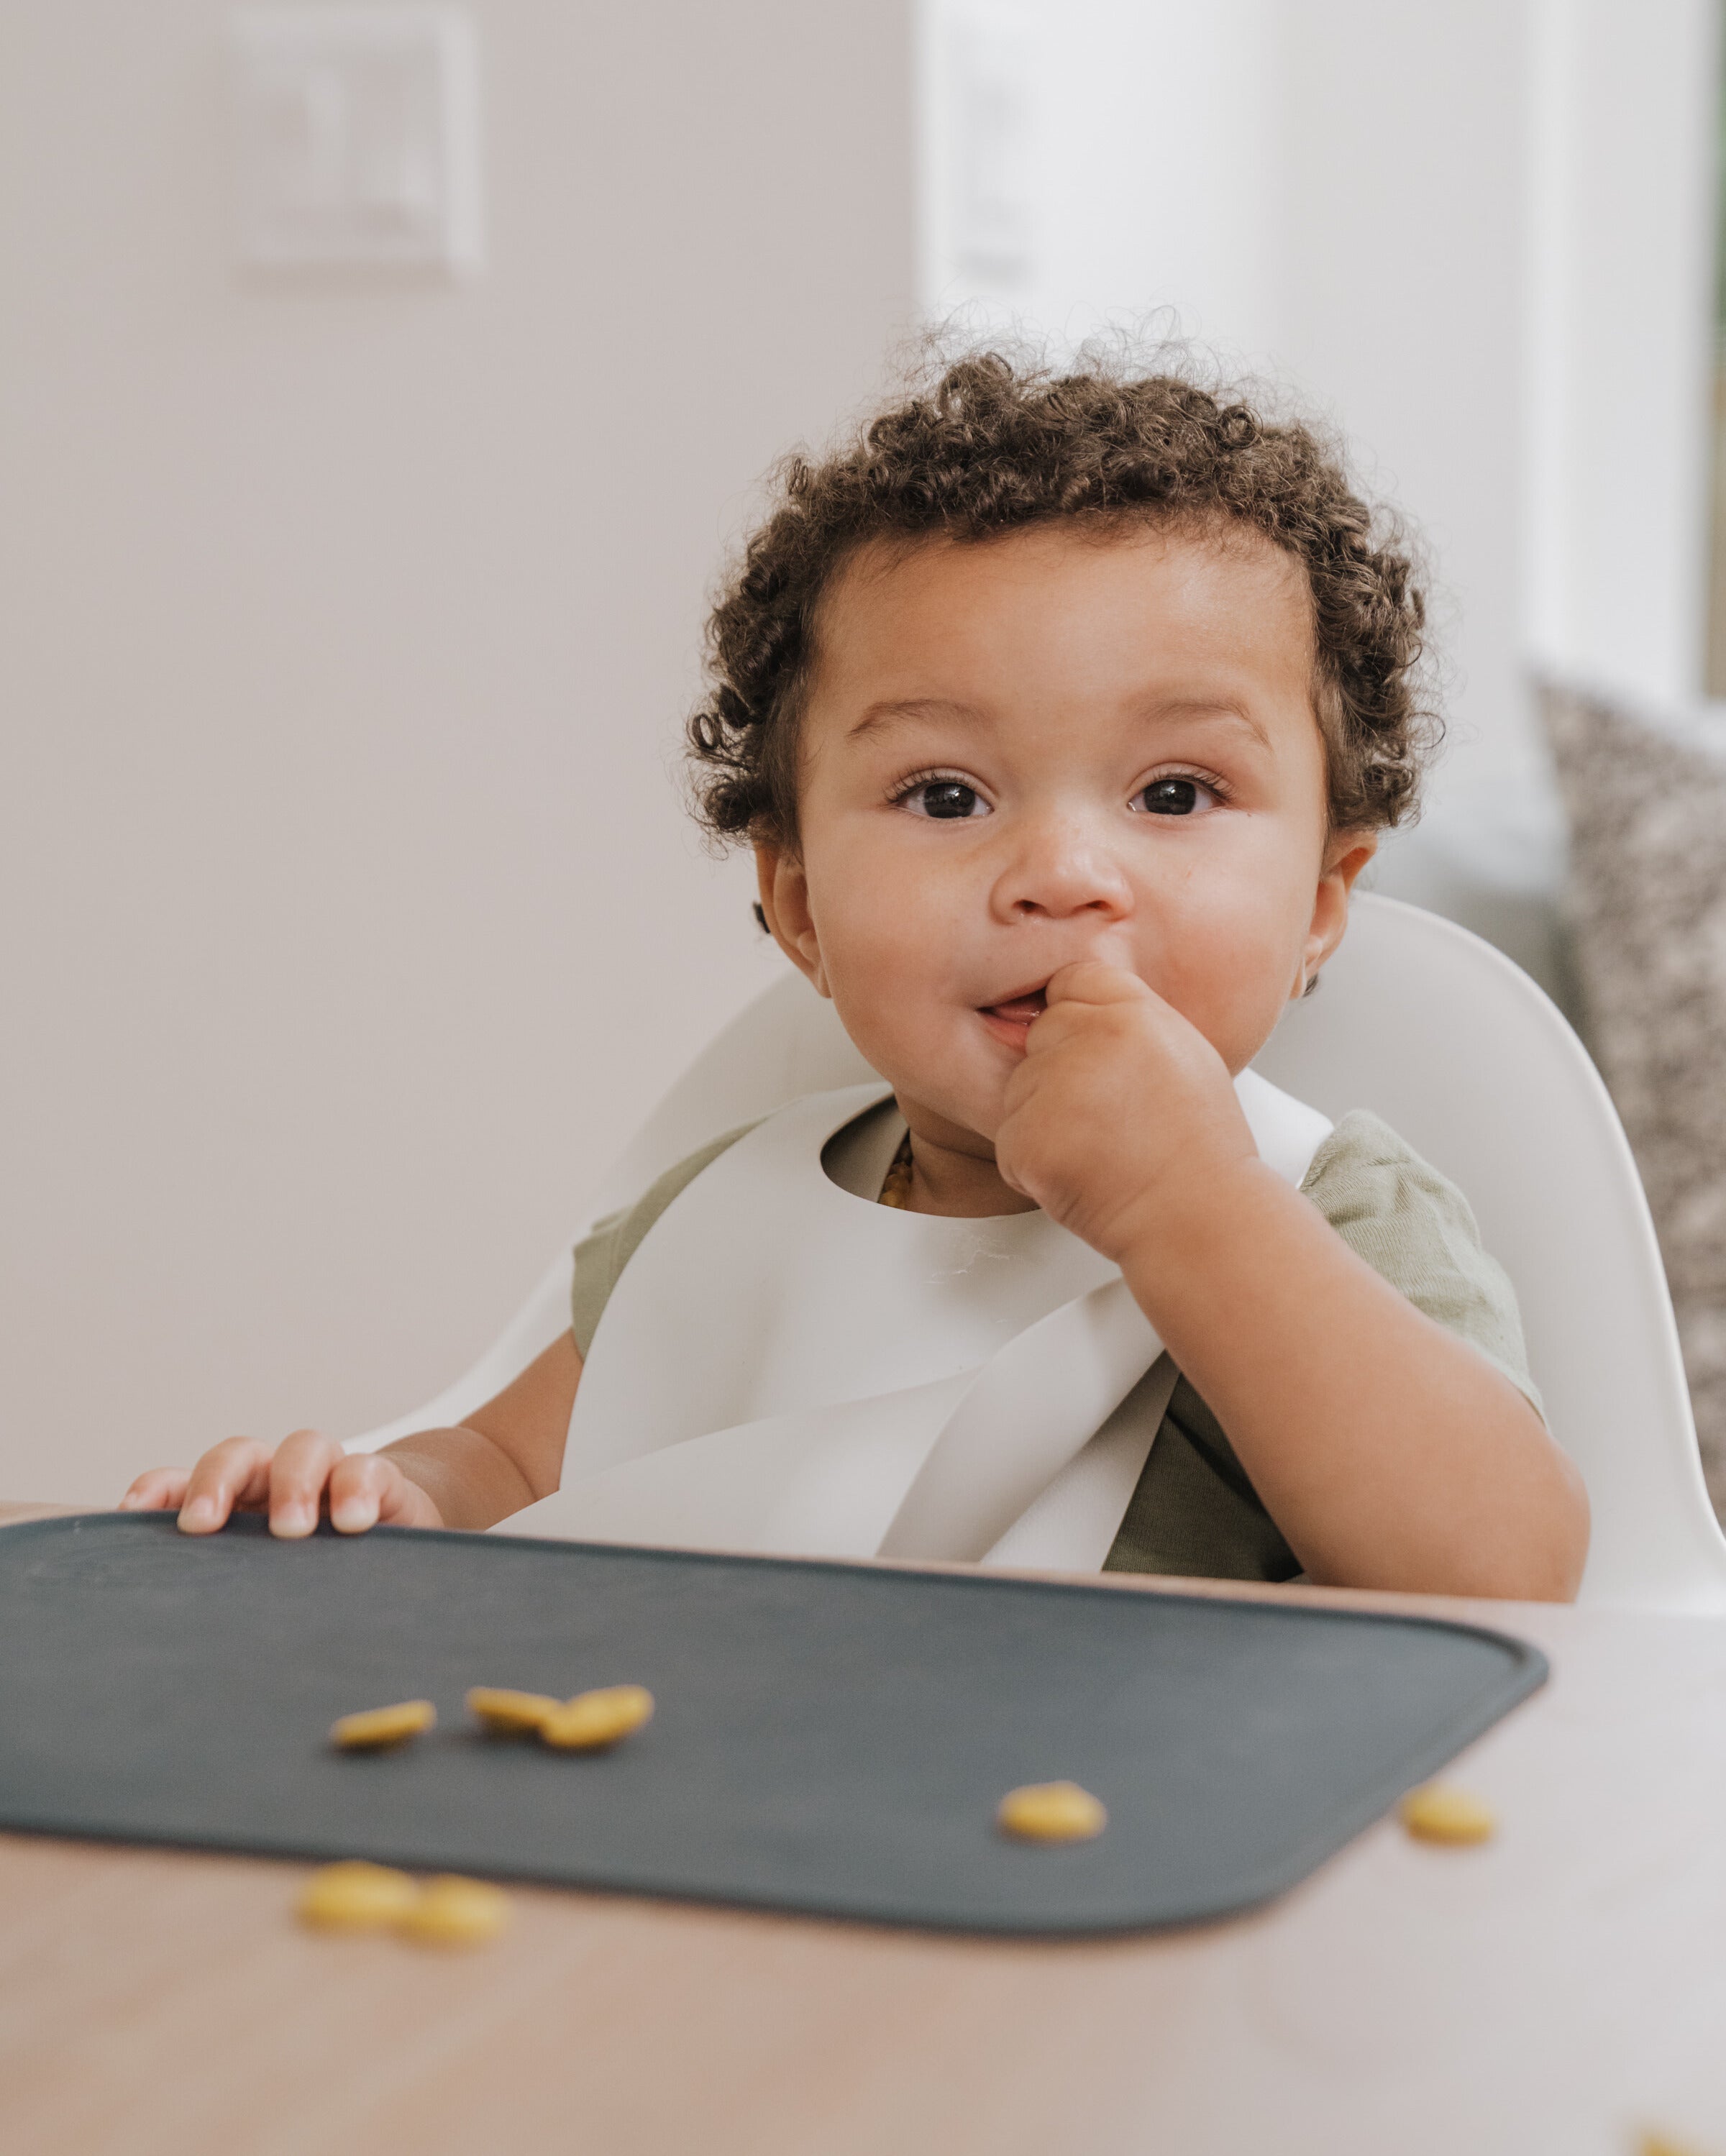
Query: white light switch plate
[[356, 136]]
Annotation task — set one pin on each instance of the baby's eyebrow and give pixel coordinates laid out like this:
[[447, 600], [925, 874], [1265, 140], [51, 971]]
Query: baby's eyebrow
[[1227, 715], [882, 716], [901, 711]]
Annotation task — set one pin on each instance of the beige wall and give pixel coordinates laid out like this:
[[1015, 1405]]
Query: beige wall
[[348, 918]]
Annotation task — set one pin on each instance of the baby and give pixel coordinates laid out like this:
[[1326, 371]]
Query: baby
[[1061, 712]]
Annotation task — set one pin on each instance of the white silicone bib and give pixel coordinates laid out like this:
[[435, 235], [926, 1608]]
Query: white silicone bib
[[783, 1367]]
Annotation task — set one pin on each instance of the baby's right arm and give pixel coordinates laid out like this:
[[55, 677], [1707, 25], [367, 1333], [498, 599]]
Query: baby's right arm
[[506, 1454]]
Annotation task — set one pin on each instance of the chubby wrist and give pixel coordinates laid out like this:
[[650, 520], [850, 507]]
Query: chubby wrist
[[1180, 1221]]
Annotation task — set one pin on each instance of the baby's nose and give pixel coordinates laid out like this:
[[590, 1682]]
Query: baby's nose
[[1059, 872]]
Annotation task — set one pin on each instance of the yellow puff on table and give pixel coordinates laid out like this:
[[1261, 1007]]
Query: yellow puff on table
[[453, 1912], [594, 1719], [1051, 1811], [357, 1897], [1440, 1813], [510, 1713], [377, 1727]]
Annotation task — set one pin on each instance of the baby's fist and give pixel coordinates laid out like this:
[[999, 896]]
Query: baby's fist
[[1120, 1109]]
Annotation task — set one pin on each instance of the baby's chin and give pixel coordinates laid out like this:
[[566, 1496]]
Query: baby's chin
[[962, 1122], [953, 1075]]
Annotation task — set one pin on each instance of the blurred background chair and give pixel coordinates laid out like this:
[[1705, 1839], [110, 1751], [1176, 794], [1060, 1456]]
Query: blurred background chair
[[1460, 1051]]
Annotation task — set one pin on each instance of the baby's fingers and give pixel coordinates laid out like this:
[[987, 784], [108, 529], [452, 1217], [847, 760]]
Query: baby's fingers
[[302, 1466], [1096, 981], [157, 1490], [368, 1487], [235, 1472], [358, 1486]]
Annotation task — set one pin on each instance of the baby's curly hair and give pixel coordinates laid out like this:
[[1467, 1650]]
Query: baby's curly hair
[[993, 445]]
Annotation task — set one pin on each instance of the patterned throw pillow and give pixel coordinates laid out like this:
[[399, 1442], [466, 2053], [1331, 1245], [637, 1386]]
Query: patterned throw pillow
[[1647, 797]]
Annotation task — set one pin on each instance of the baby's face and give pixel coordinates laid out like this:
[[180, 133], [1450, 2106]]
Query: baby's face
[[1047, 747]]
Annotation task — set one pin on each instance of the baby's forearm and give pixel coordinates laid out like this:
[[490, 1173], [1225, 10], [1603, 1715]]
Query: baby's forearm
[[507, 1454], [470, 1478], [1388, 1453]]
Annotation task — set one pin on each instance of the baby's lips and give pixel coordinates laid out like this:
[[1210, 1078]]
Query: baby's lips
[[1021, 1010]]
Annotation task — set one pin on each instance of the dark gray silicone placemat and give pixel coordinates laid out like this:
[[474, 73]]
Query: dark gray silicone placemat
[[830, 1738]]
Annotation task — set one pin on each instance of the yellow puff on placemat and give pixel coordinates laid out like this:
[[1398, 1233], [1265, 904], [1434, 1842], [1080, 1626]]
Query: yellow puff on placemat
[[1051, 1811], [592, 1720], [507, 1713], [377, 1727]]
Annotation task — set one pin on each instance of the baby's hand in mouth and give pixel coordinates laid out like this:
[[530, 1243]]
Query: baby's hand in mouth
[[1120, 1107]]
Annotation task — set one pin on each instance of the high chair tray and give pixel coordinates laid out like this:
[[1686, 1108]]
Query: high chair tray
[[830, 1738]]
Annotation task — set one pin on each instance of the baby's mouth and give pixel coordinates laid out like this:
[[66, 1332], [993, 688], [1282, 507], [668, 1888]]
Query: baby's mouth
[[1011, 1019], [1020, 1010]]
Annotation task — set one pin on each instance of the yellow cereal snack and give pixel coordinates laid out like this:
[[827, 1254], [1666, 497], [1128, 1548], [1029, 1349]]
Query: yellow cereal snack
[[593, 1719], [452, 1912], [510, 1713], [356, 1897], [380, 1725], [1440, 1813], [1050, 1811]]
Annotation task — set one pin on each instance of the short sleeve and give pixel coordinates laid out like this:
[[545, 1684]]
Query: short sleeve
[[1415, 1230]]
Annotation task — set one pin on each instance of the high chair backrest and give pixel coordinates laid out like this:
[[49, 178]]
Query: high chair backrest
[[1459, 1051]]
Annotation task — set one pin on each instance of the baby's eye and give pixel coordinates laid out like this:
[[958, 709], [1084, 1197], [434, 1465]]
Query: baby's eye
[[947, 799], [1175, 795]]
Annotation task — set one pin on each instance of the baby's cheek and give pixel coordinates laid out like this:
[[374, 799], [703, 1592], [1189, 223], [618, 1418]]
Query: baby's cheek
[[1233, 995]]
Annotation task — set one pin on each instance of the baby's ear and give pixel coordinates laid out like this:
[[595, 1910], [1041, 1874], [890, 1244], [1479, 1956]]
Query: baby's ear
[[783, 911], [1348, 852], [1346, 855]]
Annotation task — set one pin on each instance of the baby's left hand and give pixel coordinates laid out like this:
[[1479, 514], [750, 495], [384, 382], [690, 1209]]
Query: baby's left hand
[[1121, 1110]]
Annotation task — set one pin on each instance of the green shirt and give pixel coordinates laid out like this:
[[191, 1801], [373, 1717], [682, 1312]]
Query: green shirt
[[1195, 1511]]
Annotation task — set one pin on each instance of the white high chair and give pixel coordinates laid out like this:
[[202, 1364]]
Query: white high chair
[[1460, 1051]]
